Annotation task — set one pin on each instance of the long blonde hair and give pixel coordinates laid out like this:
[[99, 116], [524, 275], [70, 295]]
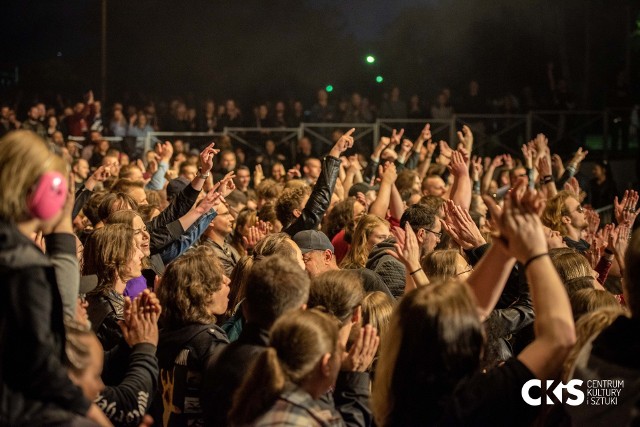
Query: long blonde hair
[[358, 252]]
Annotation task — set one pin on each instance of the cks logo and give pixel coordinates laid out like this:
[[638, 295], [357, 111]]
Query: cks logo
[[553, 392]]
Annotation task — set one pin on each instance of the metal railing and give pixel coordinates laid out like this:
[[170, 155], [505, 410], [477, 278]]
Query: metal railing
[[494, 133]]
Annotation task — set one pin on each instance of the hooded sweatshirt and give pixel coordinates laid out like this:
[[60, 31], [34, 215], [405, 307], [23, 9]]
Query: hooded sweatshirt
[[388, 268]]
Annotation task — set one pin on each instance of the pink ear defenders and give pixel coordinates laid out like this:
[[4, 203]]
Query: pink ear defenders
[[48, 196]]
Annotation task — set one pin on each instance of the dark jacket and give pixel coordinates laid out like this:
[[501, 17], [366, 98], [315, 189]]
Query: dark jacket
[[224, 373], [35, 386], [612, 355], [126, 403], [105, 310], [182, 353], [319, 199], [392, 271]]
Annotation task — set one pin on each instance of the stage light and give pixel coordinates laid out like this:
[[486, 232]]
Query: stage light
[[371, 59], [329, 88], [379, 79]]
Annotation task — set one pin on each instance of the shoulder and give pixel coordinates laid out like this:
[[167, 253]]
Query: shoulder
[[491, 398]]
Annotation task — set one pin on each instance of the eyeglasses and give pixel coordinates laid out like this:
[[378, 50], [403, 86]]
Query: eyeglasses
[[579, 209], [469, 269], [437, 234]]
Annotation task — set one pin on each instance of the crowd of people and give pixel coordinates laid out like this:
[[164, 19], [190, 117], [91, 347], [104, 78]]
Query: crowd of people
[[420, 285]]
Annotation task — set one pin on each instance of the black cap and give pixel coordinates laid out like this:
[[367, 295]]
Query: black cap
[[312, 240]]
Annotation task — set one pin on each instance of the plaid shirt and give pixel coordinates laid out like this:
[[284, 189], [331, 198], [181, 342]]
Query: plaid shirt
[[296, 407]]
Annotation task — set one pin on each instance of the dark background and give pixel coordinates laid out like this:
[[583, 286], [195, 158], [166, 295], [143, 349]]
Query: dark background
[[255, 50]]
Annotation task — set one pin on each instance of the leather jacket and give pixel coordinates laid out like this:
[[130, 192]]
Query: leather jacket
[[319, 199], [105, 310]]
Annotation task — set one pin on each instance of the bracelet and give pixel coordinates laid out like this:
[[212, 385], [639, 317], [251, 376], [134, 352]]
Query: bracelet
[[609, 251], [547, 179], [203, 175], [533, 258], [414, 272]]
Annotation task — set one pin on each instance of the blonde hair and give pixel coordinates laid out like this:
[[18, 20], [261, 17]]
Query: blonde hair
[[298, 342], [358, 252], [440, 264], [24, 157], [555, 210], [570, 264]]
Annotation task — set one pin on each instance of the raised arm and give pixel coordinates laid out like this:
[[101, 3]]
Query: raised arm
[[461, 188], [380, 206]]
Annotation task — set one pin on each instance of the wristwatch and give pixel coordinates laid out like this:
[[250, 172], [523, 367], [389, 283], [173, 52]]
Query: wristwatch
[[203, 175]]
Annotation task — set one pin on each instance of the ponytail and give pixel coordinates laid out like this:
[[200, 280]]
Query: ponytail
[[259, 390]]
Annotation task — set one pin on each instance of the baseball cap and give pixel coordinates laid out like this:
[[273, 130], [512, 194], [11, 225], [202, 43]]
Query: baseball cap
[[312, 240]]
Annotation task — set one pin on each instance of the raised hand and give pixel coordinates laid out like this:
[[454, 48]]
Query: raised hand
[[579, 157], [362, 352], [165, 151], [226, 184], [460, 226], [476, 168], [255, 235], [543, 166], [528, 155], [407, 247], [466, 137], [497, 162], [388, 173], [425, 134], [396, 137], [258, 175], [593, 220], [573, 186], [520, 231], [458, 167], [212, 199], [445, 153], [343, 144], [406, 146], [206, 158], [294, 173], [625, 211]]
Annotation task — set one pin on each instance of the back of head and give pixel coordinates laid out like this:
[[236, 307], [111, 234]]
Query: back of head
[[587, 300], [376, 311], [631, 281], [440, 264], [90, 208], [438, 340], [24, 159], [275, 286], [298, 343], [339, 217], [570, 264], [275, 243], [288, 201], [113, 202], [418, 216], [337, 292], [187, 286]]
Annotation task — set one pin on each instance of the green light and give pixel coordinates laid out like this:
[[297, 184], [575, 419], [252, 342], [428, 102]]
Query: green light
[[371, 59], [329, 88], [379, 79]]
